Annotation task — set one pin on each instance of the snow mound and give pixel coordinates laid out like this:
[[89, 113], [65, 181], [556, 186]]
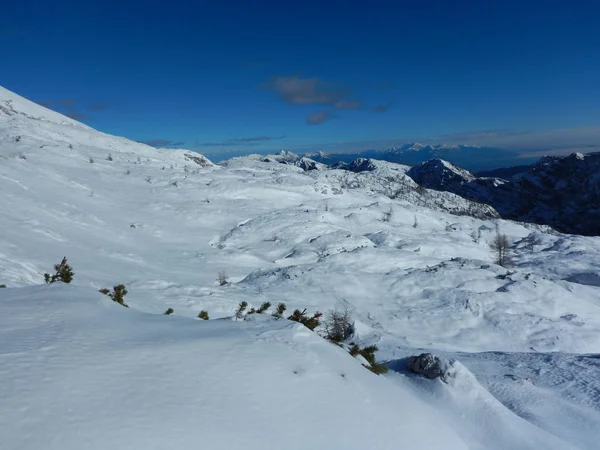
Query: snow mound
[[453, 389], [85, 372]]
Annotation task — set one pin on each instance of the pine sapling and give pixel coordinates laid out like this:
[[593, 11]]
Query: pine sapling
[[239, 313], [64, 273], [168, 312], [263, 308], [281, 307], [203, 315], [311, 322], [119, 291]]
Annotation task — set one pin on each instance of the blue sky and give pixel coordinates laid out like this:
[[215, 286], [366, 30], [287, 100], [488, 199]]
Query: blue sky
[[261, 75]]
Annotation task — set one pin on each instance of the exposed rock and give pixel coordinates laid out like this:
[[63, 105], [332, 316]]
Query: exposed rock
[[429, 365], [562, 192]]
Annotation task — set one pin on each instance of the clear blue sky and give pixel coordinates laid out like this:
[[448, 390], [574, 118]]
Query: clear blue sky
[[259, 75]]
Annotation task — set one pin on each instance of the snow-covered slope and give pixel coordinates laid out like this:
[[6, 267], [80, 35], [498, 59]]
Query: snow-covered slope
[[563, 192], [81, 371]]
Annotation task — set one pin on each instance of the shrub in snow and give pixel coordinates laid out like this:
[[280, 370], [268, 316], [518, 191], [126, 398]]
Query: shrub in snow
[[368, 353], [222, 279], [2, 286], [500, 246], [203, 315], [64, 273], [261, 310], [91, 160], [119, 291], [281, 307], [311, 322], [239, 312], [387, 216], [109, 157], [339, 325], [428, 365], [168, 312]]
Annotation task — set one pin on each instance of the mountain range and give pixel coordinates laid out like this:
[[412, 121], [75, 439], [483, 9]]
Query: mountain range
[[473, 158], [225, 270]]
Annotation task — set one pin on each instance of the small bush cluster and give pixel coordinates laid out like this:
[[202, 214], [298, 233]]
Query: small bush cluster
[[339, 325], [203, 315], [369, 354], [239, 312], [262, 309], [119, 291], [310, 322], [281, 307], [64, 273], [2, 286], [168, 312]]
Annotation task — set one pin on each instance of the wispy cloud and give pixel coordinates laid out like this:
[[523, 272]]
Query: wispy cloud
[[305, 91], [523, 143], [67, 102], [162, 143], [381, 108], [96, 106], [348, 104], [566, 139], [76, 115], [318, 117], [244, 142]]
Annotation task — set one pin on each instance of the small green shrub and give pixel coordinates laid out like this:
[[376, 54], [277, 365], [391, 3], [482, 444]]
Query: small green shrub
[[203, 315], [311, 322], [281, 307], [369, 354], [263, 308], [119, 291], [168, 312], [64, 273], [239, 312], [2, 286]]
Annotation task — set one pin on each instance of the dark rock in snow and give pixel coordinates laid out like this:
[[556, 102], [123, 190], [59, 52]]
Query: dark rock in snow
[[429, 365]]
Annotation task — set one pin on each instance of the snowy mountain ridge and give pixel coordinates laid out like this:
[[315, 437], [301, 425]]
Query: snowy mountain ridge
[[469, 156], [412, 265], [562, 192]]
